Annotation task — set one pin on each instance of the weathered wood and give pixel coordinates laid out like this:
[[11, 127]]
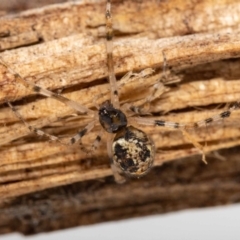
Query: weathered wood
[[174, 186], [61, 47]]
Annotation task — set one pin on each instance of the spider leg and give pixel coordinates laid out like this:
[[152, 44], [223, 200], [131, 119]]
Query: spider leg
[[76, 138], [159, 84], [33, 87], [217, 117], [134, 110], [133, 77], [31, 128], [156, 91], [175, 125], [109, 48], [158, 88], [97, 141], [192, 125], [195, 144], [178, 125]]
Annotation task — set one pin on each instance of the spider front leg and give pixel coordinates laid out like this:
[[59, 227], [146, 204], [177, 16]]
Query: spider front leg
[[44, 92], [110, 64]]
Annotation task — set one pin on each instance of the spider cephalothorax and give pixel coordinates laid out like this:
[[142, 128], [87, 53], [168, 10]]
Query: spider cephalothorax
[[111, 119]]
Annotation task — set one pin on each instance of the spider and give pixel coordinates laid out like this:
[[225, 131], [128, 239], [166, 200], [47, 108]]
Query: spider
[[130, 149]]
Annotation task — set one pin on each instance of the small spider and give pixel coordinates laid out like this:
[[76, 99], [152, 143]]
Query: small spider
[[130, 149]]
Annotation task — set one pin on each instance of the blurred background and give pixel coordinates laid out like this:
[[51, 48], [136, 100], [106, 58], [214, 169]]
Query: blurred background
[[219, 223]]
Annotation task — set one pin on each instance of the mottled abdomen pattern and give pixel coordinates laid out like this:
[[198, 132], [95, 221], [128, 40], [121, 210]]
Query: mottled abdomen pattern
[[133, 151]]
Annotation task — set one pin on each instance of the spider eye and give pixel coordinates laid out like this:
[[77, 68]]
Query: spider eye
[[111, 119], [133, 152]]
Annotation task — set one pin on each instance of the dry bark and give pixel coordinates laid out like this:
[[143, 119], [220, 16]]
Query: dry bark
[[61, 48]]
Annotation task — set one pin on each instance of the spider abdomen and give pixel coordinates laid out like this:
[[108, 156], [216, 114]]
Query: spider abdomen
[[133, 151]]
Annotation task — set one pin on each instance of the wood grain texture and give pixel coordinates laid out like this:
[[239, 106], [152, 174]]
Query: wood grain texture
[[61, 48]]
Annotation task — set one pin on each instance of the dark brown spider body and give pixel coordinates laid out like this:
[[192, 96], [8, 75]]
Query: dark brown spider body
[[111, 119], [132, 150]]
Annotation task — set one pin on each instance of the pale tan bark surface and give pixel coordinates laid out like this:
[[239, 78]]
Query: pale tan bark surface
[[61, 48]]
